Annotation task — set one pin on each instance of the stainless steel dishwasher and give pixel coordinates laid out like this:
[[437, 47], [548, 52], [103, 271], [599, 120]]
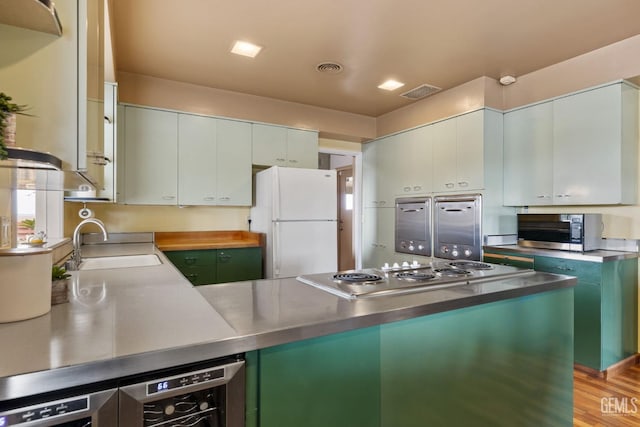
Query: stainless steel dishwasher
[[200, 396]]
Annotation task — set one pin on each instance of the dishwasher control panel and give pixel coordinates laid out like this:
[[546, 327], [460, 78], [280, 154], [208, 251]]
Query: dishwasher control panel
[[45, 410]]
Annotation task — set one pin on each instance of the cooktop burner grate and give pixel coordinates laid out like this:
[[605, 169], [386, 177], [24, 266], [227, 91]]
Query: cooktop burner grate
[[415, 276], [471, 265], [357, 277]]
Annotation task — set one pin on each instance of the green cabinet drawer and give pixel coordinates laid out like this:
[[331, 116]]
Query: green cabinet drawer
[[238, 264], [200, 275], [584, 270], [199, 258]]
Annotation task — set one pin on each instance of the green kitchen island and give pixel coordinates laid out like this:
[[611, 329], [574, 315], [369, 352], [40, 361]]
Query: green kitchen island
[[489, 353], [481, 355]]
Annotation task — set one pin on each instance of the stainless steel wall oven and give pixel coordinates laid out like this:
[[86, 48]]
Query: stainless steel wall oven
[[413, 225], [458, 227]]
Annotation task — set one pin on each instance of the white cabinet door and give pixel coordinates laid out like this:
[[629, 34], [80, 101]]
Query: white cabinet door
[[378, 237], [151, 150], [233, 163], [370, 173], [444, 155], [380, 167], [413, 174], [280, 146], [197, 159], [470, 136], [528, 156], [269, 145], [302, 149], [586, 148]]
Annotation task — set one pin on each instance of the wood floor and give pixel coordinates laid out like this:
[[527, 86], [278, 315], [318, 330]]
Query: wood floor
[[607, 402]]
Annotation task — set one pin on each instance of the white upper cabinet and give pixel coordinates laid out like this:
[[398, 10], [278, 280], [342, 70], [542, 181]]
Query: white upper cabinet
[[381, 163], [233, 163], [413, 176], [186, 159], [151, 152], [444, 155], [595, 137], [197, 154], [528, 156], [466, 149], [281, 146], [579, 149]]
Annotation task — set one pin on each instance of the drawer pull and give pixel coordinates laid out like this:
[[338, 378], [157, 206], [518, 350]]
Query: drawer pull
[[190, 260]]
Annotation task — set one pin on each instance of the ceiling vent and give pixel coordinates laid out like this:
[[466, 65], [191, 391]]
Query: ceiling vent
[[420, 92], [329, 67]]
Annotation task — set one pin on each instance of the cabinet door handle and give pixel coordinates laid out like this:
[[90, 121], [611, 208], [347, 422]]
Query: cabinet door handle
[[407, 189], [281, 160], [382, 202], [190, 260], [223, 257], [293, 161], [168, 197], [417, 187], [108, 119], [463, 184], [449, 185], [208, 199], [563, 195]]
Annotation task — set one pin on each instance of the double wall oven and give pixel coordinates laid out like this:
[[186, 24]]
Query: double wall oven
[[453, 224], [205, 394]]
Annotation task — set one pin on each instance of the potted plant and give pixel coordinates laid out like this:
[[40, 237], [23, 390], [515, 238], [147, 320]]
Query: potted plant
[[8, 111], [59, 285]]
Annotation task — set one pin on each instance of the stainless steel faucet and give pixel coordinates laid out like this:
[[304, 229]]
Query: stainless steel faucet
[[76, 258]]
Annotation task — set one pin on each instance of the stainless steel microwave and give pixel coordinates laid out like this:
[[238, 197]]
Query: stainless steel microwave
[[569, 232]]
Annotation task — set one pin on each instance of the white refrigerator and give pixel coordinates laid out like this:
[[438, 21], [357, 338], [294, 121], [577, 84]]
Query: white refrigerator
[[297, 210]]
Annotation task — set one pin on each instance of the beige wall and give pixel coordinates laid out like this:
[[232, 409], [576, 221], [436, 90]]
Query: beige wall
[[145, 90], [617, 61]]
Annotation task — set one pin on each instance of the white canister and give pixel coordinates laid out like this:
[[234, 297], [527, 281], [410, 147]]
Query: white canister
[[25, 283]]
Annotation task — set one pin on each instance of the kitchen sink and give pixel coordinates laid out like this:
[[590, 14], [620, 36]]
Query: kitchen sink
[[126, 261]]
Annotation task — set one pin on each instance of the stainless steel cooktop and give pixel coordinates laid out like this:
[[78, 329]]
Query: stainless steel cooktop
[[407, 278]]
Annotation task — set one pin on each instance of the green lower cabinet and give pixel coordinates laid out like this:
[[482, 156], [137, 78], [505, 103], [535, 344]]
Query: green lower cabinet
[[505, 363], [238, 264], [209, 266], [606, 304], [587, 325], [328, 381]]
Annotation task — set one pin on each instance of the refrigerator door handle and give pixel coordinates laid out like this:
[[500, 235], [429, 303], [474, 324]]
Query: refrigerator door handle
[[276, 249]]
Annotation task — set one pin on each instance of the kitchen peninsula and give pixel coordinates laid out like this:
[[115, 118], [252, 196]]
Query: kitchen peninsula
[[493, 352]]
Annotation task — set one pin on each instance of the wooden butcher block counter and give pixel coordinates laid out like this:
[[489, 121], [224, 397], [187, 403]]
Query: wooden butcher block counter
[[191, 240], [208, 257]]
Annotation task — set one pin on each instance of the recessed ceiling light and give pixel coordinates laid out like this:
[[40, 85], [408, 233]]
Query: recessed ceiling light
[[246, 49], [390, 85]]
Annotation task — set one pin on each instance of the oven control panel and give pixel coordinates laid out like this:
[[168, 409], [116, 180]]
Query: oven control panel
[[45, 410]]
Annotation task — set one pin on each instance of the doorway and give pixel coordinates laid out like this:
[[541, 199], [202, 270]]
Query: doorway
[[346, 254]]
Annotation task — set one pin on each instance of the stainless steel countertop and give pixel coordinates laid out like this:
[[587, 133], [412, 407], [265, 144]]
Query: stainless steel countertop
[[592, 256], [127, 321]]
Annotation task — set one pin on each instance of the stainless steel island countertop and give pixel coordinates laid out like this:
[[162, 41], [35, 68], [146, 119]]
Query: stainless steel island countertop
[[126, 321]]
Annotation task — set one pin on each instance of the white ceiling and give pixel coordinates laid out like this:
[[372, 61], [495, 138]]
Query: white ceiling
[[439, 42]]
